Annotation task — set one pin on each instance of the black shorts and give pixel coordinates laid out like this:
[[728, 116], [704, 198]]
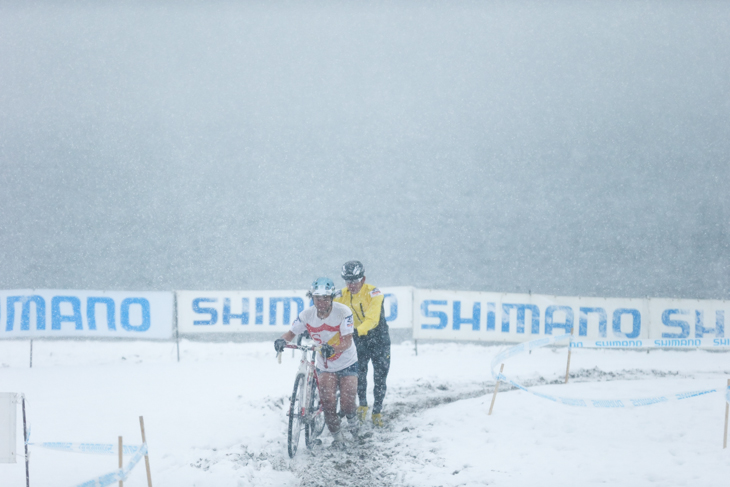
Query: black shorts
[[353, 369]]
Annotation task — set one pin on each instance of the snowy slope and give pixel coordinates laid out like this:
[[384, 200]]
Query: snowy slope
[[218, 418]]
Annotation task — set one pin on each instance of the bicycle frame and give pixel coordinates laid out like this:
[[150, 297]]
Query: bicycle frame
[[305, 410], [308, 369]]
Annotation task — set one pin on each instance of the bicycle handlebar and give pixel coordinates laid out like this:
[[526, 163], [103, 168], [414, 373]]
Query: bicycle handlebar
[[302, 347]]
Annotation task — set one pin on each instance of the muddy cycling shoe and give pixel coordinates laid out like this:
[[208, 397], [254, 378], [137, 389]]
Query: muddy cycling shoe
[[338, 443], [362, 413], [378, 420], [353, 426]]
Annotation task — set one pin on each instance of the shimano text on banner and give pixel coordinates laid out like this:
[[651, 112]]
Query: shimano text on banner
[[266, 311], [595, 322], [67, 313]]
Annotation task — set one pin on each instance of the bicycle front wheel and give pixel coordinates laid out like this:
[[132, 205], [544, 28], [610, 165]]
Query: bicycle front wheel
[[315, 416], [296, 415]]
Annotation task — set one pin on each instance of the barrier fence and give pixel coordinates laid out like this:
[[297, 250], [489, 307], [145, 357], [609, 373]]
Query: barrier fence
[[500, 358], [8, 405], [430, 314]]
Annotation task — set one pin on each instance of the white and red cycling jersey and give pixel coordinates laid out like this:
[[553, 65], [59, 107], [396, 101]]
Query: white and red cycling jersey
[[329, 330]]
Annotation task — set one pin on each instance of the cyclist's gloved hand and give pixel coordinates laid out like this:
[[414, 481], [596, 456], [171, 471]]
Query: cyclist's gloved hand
[[279, 345], [327, 350]]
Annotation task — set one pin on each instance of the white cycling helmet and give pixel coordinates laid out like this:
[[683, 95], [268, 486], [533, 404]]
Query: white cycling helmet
[[323, 286]]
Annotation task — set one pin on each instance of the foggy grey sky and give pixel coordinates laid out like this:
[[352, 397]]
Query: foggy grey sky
[[572, 148]]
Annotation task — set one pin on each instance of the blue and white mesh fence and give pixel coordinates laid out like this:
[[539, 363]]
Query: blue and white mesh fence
[[138, 451], [583, 402]]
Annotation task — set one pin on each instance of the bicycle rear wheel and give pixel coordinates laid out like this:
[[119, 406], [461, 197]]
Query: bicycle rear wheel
[[296, 415], [315, 420]]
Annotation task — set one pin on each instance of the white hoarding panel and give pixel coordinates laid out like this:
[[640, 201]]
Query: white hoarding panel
[[7, 427], [67, 313], [238, 311], [267, 311], [452, 315], [398, 305], [690, 323]]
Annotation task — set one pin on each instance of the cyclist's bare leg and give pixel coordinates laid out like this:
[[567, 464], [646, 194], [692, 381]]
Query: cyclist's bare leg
[[348, 393], [328, 396]]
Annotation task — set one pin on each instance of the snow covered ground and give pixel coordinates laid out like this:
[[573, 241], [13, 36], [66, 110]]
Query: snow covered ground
[[218, 418]]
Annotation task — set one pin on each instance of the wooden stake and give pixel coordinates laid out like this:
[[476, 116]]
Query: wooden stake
[[496, 388], [567, 368], [146, 456], [727, 409], [25, 441], [121, 463]]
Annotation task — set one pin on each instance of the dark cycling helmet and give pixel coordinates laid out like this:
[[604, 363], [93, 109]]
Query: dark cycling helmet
[[353, 270], [322, 286]]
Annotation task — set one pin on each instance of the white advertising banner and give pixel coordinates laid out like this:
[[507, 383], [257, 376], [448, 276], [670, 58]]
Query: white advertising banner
[[398, 305], [689, 323], [267, 311], [44, 313], [596, 322], [7, 427]]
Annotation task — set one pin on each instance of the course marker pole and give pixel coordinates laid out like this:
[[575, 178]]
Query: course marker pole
[[25, 441], [121, 462], [146, 455], [727, 409], [177, 330], [31, 353], [567, 368], [496, 388]]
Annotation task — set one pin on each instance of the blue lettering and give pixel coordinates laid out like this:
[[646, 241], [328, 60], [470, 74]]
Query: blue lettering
[[91, 312], [491, 317], [678, 343], [443, 319], [473, 321], [681, 324], [287, 308], [57, 318], [521, 308], [227, 312], [636, 326], [124, 312], [393, 300], [567, 324], [40, 312], [721, 341], [583, 324], [719, 329], [211, 311], [259, 311]]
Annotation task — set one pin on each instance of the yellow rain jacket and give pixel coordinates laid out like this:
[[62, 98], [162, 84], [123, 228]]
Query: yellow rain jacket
[[366, 307]]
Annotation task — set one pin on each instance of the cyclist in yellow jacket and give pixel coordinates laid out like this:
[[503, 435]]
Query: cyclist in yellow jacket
[[371, 336]]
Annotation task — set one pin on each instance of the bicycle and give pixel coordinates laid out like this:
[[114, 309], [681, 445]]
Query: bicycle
[[305, 410]]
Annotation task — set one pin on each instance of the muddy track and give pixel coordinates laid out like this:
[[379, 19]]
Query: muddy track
[[369, 462]]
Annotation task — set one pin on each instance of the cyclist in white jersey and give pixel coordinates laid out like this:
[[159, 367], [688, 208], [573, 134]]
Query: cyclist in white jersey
[[331, 325]]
